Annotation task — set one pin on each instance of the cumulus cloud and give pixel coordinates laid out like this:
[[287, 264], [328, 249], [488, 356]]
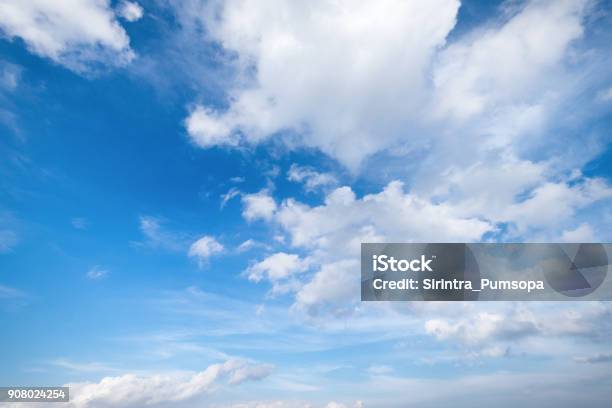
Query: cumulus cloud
[[207, 128], [204, 248], [477, 121], [355, 83], [131, 390], [277, 267], [358, 89], [258, 206], [333, 231], [482, 327], [582, 233], [80, 34], [130, 11], [507, 64], [494, 332], [280, 269], [514, 192], [468, 117], [344, 221], [332, 290], [552, 202]]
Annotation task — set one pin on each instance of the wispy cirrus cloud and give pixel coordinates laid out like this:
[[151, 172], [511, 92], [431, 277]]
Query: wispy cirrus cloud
[[97, 272], [82, 367], [158, 236]]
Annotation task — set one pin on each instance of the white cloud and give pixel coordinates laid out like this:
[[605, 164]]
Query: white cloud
[[207, 128], [354, 83], [90, 367], [504, 189], [333, 231], [204, 248], [582, 233], [482, 327], [157, 236], [131, 391], [311, 178], [277, 267], [96, 273], [130, 11], [247, 245], [10, 80], [471, 138], [358, 89], [552, 203], [150, 226], [507, 64], [333, 289], [498, 329], [477, 122], [80, 34], [344, 221], [10, 75], [281, 269], [504, 388], [225, 198], [258, 206], [241, 371]]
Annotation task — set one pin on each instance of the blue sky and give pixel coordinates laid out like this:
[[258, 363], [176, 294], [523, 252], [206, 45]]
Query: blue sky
[[184, 186]]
